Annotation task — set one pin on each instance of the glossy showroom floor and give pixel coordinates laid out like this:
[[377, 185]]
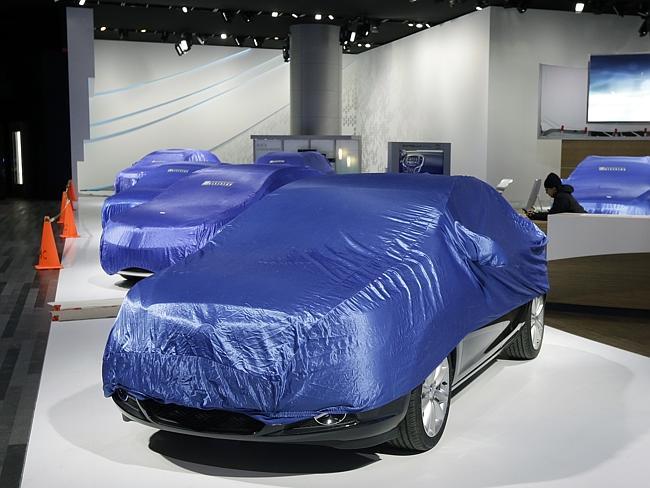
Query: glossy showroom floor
[[576, 416]]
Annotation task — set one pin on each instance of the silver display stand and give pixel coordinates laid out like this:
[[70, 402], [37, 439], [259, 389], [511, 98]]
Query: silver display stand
[[343, 152]]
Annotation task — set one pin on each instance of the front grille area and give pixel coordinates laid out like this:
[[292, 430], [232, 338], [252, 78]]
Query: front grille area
[[216, 421]]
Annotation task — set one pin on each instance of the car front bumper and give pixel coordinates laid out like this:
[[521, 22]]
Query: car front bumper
[[356, 431]]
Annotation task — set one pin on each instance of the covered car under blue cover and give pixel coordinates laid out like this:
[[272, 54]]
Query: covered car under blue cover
[[183, 218], [337, 295], [312, 159], [612, 185], [129, 176], [158, 177]]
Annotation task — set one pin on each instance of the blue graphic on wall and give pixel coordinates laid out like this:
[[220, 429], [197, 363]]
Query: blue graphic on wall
[[619, 88]]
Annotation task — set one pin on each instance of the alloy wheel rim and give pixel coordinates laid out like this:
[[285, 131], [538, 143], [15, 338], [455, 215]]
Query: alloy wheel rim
[[434, 399], [537, 322]]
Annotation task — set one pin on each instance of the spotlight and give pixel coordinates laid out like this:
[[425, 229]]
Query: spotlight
[[579, 7], [223, 36], [643, 30], [318, 17], [183, 46], [419, 26], [143, 31], [330, 16], [480, 5], [367, 45], [411, 24], [275, 14], [295, 16], [227, 16], [359, 45], [258, 41], [82, 3], [428, 26], [353, 36], [239, 40], [102, 28], [184, 9], [200, 40]]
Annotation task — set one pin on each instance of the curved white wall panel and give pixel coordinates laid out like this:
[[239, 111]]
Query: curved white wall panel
[[147, 98]]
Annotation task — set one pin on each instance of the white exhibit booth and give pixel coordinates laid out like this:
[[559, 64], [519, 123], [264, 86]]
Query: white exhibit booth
[[575, 416]]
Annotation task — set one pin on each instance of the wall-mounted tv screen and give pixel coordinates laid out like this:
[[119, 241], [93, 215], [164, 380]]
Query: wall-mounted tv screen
[[419, 157], [619, 88]]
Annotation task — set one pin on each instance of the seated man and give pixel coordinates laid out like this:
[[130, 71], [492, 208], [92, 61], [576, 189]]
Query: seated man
[[563, 201]]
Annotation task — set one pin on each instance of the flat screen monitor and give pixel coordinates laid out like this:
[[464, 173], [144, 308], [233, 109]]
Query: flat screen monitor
[[619, 88], [419, 157]]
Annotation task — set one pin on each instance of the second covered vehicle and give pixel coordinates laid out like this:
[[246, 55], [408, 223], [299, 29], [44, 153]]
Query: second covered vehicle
[[185, 216]]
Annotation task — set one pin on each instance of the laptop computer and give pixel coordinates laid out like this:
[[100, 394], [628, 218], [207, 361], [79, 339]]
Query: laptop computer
[[534, 194]]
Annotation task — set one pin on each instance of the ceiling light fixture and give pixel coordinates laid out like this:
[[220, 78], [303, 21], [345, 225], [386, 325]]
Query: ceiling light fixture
[[643, 30], [102, 28], [184, 9], [227, 17], [182, 46], [223, 36], [330, 16], [419, 26], [82, 3], [143, 30], [318, 16], [295, 16], [239, 40], [275, 14], [368, 45], [579, 7]]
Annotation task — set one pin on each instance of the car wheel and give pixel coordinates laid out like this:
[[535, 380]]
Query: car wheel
[[427, 412], [528, 341]]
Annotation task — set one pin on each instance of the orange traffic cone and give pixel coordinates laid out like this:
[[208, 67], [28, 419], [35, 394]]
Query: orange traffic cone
[[69, 226], [72, 194], [49, 256], [64, 202]]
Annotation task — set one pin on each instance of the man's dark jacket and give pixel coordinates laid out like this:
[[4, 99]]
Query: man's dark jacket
[[562, 203]]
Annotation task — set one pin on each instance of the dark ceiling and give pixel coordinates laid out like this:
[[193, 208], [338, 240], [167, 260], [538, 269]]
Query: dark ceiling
[[248, 21]]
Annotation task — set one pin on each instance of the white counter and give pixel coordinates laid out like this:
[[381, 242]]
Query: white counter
[[579, 235]]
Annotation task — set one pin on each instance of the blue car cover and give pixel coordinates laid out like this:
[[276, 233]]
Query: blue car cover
[[312, 159], [183, 218], [612, 185], [337, 294], [157, 178], [130, 176]]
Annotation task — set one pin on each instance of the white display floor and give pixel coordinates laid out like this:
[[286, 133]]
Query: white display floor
[[578, 415]]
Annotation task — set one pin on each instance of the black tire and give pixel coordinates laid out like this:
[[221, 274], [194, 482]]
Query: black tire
[[411, 434], [522, 346]]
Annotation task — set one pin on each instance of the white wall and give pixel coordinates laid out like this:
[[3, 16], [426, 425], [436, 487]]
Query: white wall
[[428, 87], [80, 32], [147, 98], [519, 43]]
